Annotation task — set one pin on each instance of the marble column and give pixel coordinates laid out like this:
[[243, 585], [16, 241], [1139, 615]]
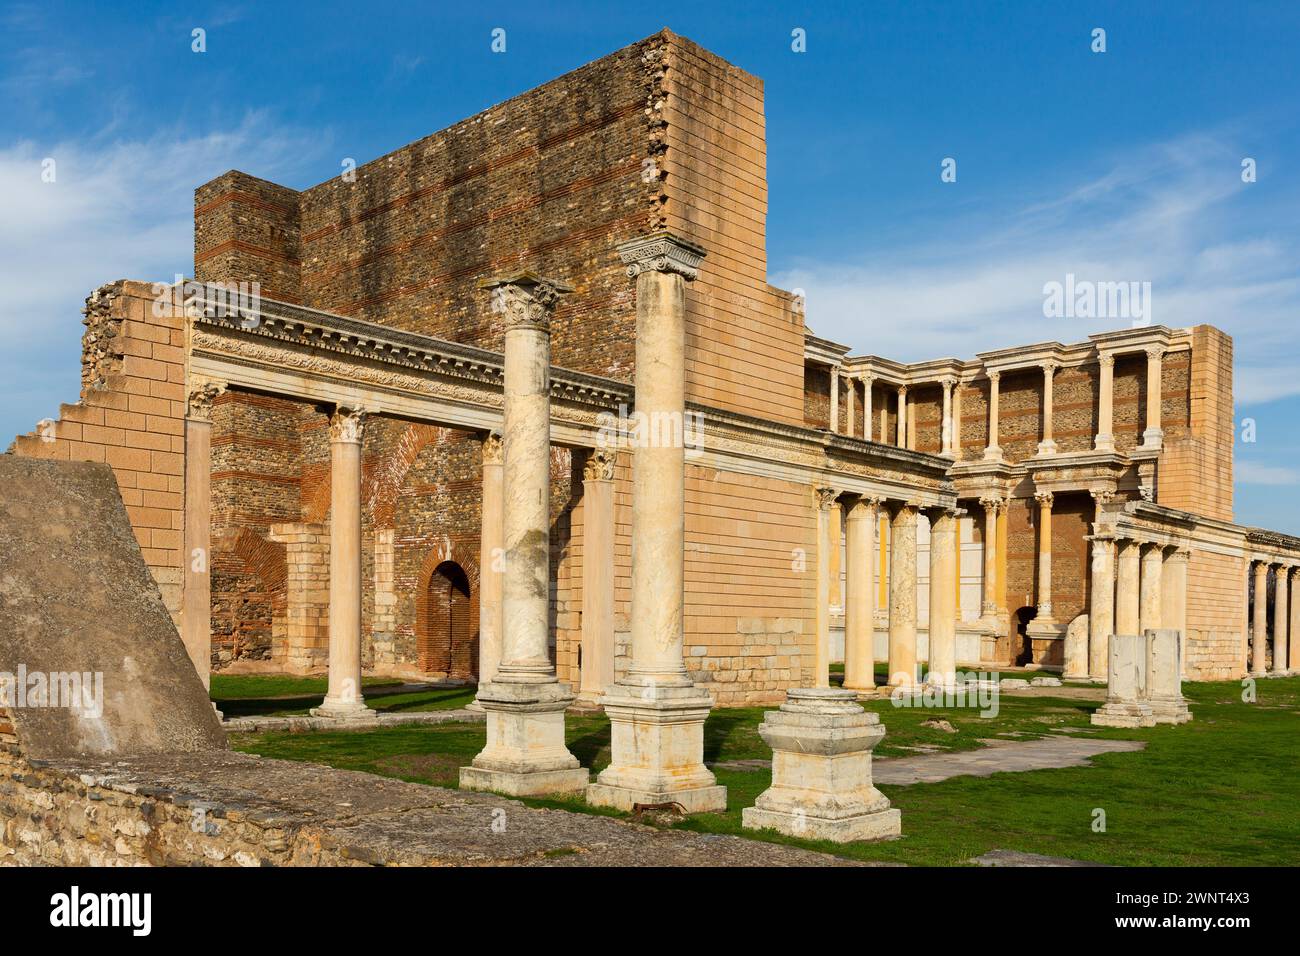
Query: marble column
[[867, 424], [956, 421], [196, 587], [1044, 499], [902, 594], [1150, 612], [860, 603], [824, 503], [902, 417], [992, 602], [1280, 618], [1173, 598], [1293, 645], [946, 445], [850, 397], [1128, 574], [943, 597], [992, 450], [525, 753], [1154, 434], [835, 399], [1105, 440], [1259, 632], [1101, 605], [343, 698], [597, 674], [656, 712], [492, 551], [1047, 446]]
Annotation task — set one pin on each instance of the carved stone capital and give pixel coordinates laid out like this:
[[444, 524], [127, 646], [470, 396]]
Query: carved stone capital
[[661, 252], [525, 299], [1106, 360], [1050, 368], [825, 498], [599, 465], [1154, 352], [201, 395], [493, 449], [949, 382], [1101, 496], [1044, 498], [347, 424], [992, 504], [994, 375]]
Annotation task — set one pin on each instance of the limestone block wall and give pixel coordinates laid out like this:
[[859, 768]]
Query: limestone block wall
[[1196, 464], [304, 646], [1216, 610], [131, 415]]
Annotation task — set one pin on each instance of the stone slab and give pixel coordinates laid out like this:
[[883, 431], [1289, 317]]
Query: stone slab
[[884, 825], [76, 596], [248, 725]]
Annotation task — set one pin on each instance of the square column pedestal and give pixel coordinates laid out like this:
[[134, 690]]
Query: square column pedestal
[[1126, 685], [821, 742], [525, 753], [1164, 677], [657, 739]]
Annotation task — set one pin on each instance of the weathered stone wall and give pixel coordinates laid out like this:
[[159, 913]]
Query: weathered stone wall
[[1216, 611], [249, 230], [131, 416], [1196, 464]]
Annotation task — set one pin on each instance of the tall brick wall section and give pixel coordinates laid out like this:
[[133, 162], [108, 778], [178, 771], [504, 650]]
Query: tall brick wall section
[[1196, 464], [745, 339], [131, 415], [248, 230]]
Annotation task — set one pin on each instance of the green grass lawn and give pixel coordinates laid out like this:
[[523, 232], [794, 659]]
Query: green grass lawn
[[247, 695], [1222, 790]]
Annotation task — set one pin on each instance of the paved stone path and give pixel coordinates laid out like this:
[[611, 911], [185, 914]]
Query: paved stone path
[[998, 756]]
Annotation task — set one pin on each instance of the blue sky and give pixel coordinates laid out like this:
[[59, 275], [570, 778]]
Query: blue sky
[[1115, 166]]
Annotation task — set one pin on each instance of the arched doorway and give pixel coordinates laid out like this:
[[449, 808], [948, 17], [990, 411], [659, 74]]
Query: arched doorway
[[1023, 652], [449, 641]]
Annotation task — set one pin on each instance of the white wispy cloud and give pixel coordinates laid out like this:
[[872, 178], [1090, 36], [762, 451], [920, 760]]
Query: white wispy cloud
[[1257, 473], [1174, 214], [117, 208]]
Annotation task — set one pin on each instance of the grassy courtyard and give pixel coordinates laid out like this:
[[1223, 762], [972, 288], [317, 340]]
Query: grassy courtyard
[[1222, 790]]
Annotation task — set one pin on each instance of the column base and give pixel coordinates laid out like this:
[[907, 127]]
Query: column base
[[657, 749], [1169, 711], [821, 789], [1152, 439], [1047, 447], [354, 710], [525, 753], [1123, 714]]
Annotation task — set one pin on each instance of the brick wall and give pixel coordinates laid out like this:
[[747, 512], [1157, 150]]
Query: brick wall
[[1196, 464], [131, 415]]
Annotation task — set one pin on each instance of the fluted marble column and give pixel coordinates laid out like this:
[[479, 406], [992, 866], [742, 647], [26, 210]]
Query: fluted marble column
[[597, 674], [343, 698], [1105, 440], [824, 501], [992, 450], [1150, 611], [1281, 594], [1154, 434], [1047, 446], [196, 589], [525, 752], [656, 713], [1259, 632], [943, 597], [1127, 598], [902, 595], [1101, 606], [860, 603], [491, 559], [1044, 499]]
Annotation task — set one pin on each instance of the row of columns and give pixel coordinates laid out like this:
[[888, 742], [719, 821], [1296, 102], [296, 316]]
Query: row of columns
[[862, 518], [904, 435], [1136, 586], [1286, 618]]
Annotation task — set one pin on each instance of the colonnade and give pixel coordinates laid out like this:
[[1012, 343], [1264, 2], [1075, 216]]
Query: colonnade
[[1137, 585], [1285, 617]]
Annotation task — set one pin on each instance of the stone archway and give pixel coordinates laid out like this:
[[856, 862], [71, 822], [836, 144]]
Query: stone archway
[[1022, 650], [446, 625]]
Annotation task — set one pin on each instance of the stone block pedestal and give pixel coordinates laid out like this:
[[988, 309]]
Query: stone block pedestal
[[657, 743], [525, 753], [1126, 704], [821, 742], [1164, 677]]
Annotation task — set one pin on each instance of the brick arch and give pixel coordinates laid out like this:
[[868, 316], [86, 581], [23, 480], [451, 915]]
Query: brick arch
[[252, 554], [441, 646], [384, 483]]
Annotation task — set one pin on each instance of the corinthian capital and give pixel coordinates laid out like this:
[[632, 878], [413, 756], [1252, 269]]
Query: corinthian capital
[[201, 395], [600, 465], [493, 450], [526, 299], [661, 252], [346, 424]]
